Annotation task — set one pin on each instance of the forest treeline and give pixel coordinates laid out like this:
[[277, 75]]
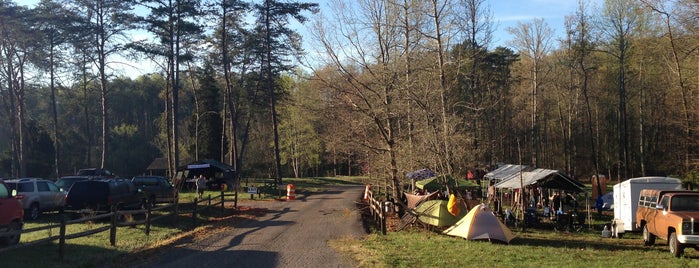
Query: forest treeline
[[393, 86]]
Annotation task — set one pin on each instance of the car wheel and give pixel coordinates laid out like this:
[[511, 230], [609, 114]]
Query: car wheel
[[676, 248], [33, 212], [151, 202], [145, 203], [13, 239], [648, 238]]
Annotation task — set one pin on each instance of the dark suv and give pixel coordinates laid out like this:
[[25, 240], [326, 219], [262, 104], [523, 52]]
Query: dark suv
[[157, 188], [37, 195], [102, 194], [11, 215], [66, 182]]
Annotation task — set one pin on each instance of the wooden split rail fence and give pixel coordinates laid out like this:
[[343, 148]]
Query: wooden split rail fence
[[114, 215], [377, 209]]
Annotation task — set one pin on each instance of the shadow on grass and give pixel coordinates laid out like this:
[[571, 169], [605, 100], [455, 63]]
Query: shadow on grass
[[571, 242]]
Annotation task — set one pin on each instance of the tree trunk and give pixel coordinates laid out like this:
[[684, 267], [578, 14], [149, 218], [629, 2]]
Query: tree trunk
[[446, 143], [54, 112]]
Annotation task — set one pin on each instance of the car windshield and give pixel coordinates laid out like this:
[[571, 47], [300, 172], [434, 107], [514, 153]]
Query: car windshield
[[145, 181], [21, 187], [88, 172], [4, 192], [66, 183], [685, 203]]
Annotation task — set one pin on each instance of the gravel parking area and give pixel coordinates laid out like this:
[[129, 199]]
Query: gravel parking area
[[289, 234]]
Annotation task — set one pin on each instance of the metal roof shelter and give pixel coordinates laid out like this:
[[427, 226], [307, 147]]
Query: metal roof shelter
[[543, 177], [505, 171]]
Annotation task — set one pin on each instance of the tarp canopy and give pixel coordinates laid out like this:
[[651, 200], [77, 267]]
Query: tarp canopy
[[481, 224], [415, 200], [420, 174], [431, 184], [548, 178], [215, 172], [505, 171], [435, 212], [206, 166], [436, 183]]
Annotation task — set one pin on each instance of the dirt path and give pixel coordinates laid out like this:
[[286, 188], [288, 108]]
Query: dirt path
[[290, 234]]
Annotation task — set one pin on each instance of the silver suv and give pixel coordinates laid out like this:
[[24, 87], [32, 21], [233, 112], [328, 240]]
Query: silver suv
[[37, 195]]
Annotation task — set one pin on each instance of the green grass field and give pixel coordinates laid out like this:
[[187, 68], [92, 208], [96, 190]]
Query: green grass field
[[532, 248]]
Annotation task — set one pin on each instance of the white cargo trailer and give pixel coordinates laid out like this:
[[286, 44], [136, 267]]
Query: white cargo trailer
[[626, 196]]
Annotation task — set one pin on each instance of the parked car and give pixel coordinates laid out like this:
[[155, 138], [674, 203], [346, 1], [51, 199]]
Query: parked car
[[37, 195], [157, 188], [66, 182], [102, 194], [11, 216]]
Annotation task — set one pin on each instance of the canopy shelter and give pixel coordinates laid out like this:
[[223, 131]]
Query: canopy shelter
[[505, 171], [436, 213], [215, 172], [420, 174], [548, 178], [437, 183], [481, 224]]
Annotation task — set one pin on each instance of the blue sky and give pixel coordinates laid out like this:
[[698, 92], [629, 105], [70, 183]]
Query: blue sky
[[506, 13]]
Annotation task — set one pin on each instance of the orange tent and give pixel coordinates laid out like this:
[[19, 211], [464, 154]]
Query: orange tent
[[481, 224]]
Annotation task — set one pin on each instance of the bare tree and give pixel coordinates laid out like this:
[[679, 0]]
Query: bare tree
[[618, 22], [679, 55], [582, 38], [440, 13], [361, 45], [107, 21], [474, 19], [533, 40], [14, 44]]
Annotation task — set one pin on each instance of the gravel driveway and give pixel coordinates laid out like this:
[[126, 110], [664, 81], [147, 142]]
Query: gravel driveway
[[291, 234]]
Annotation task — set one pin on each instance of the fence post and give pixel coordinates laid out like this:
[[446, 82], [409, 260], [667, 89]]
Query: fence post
[[148, 215], [223, 207], [373, 209], [382, 218], [175, 208], [208, 203], [62, 235], [194, 212], [235, 199], [112, 230]]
